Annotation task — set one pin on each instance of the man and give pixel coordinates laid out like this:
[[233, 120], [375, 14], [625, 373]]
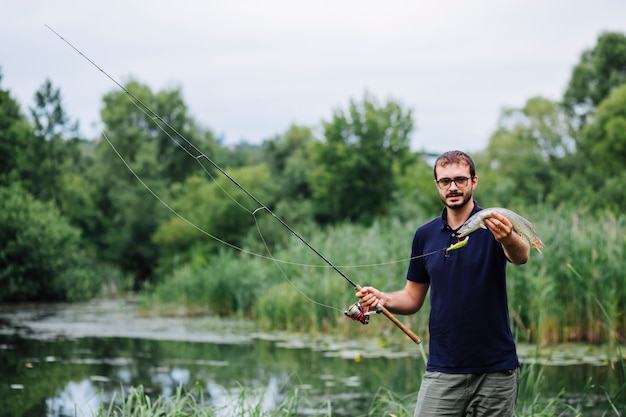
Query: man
[[472, 366]]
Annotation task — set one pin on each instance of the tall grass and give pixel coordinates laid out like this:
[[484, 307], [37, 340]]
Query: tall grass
[[575, 291], [188, 403], [136, 403]]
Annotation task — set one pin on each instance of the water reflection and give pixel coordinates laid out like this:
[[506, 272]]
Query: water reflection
[[81, 396], [69, 376]]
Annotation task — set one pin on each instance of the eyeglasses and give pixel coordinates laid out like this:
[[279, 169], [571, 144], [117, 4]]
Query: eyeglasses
[[445, 183]]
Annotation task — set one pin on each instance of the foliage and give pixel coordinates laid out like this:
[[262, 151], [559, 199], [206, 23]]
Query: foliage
[[582, 261], [149, 199], [18, 147], [414, 196], [161, 119], [595, 175], [288, 157], [217, 209], [224, 285], [239, 155], [386, 403], [68, 205], [599, 71], [161, 151], [524, 154], [48, 115], [40, 253], [137, 403], [352, 179], [56, 138], [128, 215], [605, 137], [290, 287]]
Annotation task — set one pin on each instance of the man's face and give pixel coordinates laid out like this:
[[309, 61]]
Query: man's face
[[453, 195]]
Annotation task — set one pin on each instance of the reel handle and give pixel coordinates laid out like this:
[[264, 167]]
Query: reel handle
[[397, 322]]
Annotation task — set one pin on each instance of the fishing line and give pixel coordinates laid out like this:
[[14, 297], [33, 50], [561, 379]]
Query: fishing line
[[158, 119], [161, 123], [271, 257], [193, 225], [238, 248], [267, 248]]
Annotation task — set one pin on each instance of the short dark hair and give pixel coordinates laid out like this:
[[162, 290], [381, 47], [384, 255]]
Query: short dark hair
[[454, 157]]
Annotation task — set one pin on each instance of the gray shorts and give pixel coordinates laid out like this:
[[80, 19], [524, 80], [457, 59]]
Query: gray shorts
[[458, 395]]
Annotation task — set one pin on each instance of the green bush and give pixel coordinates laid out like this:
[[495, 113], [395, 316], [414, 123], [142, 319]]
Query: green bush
[[40, 253]]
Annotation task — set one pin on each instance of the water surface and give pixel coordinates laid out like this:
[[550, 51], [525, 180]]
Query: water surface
[[66, 360]]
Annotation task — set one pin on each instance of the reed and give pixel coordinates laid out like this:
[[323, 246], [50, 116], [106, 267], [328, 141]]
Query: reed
[[136, 403], [387, 403], [376, 256], [574, 291]]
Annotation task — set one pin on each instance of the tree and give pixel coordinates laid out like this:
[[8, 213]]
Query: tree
[[161, 143], [525, 153], [603, 145], [353, 178], [142, 117], [128, 214], [16, 142], [49, 117], [40, 253], [57, 139], [238, 155], [415, 193], [218, 208], [288, 157], [599, 71], [604, 140]]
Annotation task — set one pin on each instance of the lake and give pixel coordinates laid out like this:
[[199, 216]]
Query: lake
[[67, 359]]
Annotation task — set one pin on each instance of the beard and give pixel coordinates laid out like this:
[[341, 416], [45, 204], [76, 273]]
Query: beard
[[461, 199]]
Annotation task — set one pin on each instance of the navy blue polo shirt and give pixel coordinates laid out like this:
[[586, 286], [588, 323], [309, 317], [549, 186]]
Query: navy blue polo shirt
[[469, 326]]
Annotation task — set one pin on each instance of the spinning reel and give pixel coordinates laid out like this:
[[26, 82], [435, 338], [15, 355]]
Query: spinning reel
[[358, 313]]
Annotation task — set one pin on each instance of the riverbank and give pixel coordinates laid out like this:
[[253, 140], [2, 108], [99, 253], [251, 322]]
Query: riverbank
[[122, 318], [118, 318]]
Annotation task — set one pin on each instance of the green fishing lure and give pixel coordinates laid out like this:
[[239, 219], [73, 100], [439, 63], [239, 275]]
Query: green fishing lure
[[458, 244]]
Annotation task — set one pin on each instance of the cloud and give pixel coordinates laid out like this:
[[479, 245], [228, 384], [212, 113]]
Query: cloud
[[248, 69]]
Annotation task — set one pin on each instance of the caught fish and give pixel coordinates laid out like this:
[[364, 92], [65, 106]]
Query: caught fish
[[520, 224]]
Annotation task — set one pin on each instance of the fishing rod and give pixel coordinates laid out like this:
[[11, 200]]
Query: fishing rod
[[355, 311]]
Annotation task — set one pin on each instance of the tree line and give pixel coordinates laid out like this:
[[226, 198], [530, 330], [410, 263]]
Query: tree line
[[124, 211]]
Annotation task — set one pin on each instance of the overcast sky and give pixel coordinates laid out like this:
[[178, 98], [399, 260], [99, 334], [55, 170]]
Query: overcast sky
[[250, 69]]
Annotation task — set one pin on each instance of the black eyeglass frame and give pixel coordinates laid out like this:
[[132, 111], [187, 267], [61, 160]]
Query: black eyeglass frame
[[456, 180]]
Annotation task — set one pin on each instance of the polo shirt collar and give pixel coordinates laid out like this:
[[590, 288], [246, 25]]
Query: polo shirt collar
[[444, 220]]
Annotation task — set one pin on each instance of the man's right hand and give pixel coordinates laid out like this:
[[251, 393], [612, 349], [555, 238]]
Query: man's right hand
[[370, 297]]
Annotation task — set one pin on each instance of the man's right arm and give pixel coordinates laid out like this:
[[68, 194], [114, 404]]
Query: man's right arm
[[406, 301]]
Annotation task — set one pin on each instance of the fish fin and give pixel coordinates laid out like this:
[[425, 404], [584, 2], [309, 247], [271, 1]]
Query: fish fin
[[538, 244], [528, 224]]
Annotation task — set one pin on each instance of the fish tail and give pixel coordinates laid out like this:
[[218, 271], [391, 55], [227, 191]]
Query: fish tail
[[537, 244]]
